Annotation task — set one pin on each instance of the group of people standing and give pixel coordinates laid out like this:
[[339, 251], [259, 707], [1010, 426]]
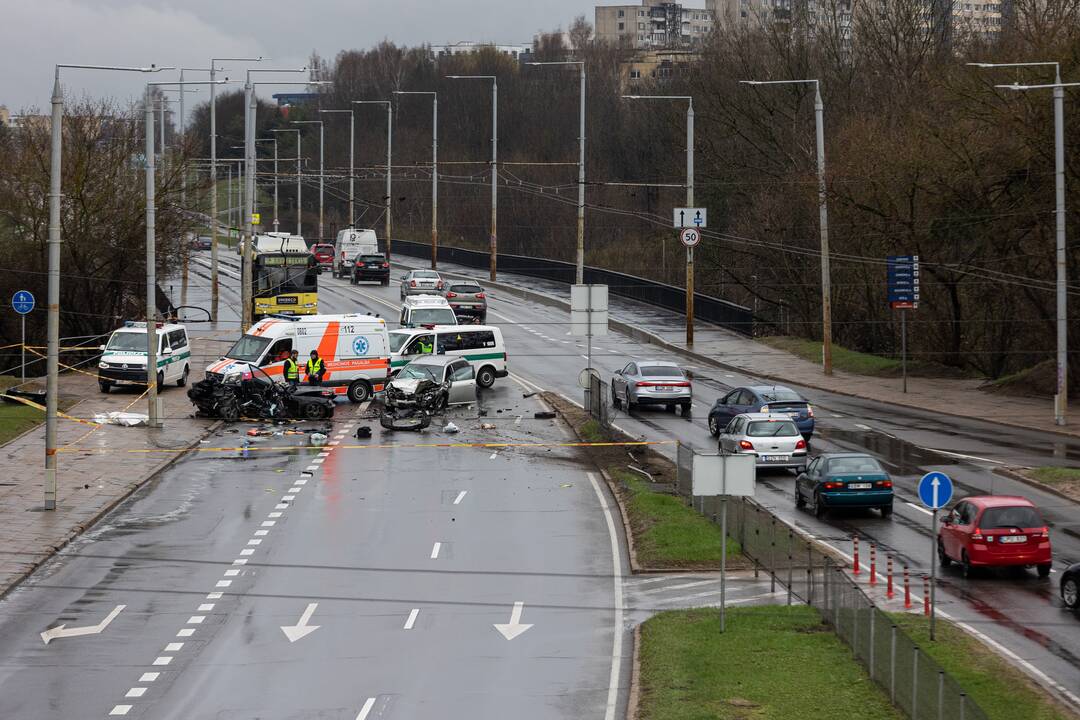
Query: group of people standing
[[314, 368]]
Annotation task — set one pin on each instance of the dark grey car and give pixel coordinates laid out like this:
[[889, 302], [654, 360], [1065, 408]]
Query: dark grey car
[[467, 300]]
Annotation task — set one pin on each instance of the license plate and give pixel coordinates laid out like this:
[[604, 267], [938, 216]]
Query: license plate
[[286, 301], [775, 458], [666, 388], [1013, 538], [860, 486], [793, 416]]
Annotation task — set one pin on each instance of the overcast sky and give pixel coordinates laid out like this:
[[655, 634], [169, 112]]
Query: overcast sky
[[37, 34]]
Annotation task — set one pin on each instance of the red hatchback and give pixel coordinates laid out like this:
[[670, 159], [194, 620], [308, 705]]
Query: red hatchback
[[324, 255], [994, 531]]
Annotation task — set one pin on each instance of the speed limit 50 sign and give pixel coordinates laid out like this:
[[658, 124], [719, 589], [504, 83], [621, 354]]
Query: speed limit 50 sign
[[690, 236]]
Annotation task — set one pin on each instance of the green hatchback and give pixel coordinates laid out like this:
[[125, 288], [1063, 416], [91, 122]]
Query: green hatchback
[[844, 480]]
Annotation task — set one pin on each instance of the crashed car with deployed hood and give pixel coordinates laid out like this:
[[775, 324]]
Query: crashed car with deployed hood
[[426, 386]]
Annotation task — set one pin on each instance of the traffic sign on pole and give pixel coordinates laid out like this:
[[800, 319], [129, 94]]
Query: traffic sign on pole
[[22, 302], [935, 490], [689, 237], [690, 217]]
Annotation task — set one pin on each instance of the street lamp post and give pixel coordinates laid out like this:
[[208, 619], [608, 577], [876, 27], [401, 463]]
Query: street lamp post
[[823, 216], [434, 170], [214, 291], [1061, 395], [494, 163], [322, 166], [689, 199], [581, 166], [52, 353], [299, 160], [352, 161], [389, 156]]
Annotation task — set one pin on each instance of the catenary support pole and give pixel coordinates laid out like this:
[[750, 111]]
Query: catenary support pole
[[52, 353], [151, 279]]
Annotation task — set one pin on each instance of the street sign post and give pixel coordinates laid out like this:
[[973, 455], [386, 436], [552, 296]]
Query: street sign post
[[690, 217], [23, 302], [903, 284], [689, 237], [935, 492], [589, 313]]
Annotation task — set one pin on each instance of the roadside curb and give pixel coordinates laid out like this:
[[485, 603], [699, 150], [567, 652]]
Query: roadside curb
[[644, 336], [52, 550], [633, 697]]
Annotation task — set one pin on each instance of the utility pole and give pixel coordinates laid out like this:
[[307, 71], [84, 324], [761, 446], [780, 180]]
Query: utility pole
[[434, 170], [322, 164], [389, 157], [151, 281], [494, 165], [352, 161], [299, 159]]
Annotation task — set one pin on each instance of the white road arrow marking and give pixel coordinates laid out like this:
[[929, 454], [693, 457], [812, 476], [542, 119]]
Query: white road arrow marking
[[515, 627], [934, 484], [61, 631], [301, 629]]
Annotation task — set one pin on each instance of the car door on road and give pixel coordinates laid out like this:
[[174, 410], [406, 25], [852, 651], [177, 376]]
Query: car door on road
[[462, 380], [620, 377], [731, 434], [807, 482], [736, 402], [954, 533]]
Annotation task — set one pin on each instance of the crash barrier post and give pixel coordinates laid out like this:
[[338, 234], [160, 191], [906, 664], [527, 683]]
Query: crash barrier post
[[907, 588], [889, 574], [706, 308], [926, 594], [855, 555], [873, 564]]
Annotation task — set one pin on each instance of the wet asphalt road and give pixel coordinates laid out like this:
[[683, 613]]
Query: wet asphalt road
[[1016, 609]]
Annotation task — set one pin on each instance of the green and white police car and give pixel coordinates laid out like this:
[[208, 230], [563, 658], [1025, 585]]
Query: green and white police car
[[123, 357]]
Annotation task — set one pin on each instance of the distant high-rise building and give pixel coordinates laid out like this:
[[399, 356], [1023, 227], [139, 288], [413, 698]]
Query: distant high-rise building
[[652, 25]]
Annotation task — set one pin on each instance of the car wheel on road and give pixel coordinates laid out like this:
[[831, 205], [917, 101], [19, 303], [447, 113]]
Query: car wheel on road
[[670, 407], [359, 391], [943, 559], [182, 380], [486, 377], [385, 283], [615, 401], [686, 409], [314, 411], [105, 387], [353, 280], [1070, 593], [1043, 570], [229, 411], [161, 379], [886, 511], [630, 404], [714, 429], [800, 501], [965, 565], [483, 319], [819, 507]]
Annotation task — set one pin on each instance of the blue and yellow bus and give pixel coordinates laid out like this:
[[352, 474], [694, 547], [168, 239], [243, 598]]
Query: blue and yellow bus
[[284, 276]]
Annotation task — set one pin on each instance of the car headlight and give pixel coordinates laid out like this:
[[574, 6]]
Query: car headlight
[[309, 305], [103, 365]]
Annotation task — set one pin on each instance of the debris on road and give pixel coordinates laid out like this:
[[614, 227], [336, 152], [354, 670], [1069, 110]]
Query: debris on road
[[124, 419], [317, 439], [544, 415], [528, 394], [363, 432], [451, 428], [487, 426]]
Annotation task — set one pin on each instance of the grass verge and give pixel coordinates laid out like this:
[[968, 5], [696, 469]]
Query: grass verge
[[15, 418], [773, 662], [996, 686], [1065, 480], [857, 363]]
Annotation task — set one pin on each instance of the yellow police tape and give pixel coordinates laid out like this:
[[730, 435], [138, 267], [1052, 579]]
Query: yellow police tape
[[42, 408], [386, 446]]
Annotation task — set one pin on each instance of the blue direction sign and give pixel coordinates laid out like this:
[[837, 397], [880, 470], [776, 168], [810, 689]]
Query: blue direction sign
[[903, 281], [935, 490], [22, 301]]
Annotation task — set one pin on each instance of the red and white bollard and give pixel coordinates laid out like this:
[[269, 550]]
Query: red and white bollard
[[873, 564], [907, 588], [889, 588], [926, 595], [855, 562]]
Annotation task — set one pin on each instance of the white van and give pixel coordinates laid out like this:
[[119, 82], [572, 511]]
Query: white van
[[350, 243], [354, 348], [426, 310], [123, 357], [481, 345]]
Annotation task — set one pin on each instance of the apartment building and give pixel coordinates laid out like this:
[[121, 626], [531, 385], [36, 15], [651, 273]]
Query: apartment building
[[468, 46], [652, 25]]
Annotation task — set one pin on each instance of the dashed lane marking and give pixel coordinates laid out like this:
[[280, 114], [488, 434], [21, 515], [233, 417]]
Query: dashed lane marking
[[412, 619]]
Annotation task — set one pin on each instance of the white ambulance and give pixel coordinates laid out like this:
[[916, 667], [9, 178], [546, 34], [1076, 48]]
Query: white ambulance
[[354, 348]]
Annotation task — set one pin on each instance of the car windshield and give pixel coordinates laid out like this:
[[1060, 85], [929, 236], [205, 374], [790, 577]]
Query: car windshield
[[248, 348], [771, 428], [127, 342], [414, 371], [468, 289], [371, 258], [660, 371], [398, 340], [846, 465], [779, 395], [1019, 516], [425, 274], [433, 316]]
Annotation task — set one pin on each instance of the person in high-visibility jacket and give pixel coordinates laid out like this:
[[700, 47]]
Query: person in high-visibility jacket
[[292, 369], [315, 369], [426, 346]]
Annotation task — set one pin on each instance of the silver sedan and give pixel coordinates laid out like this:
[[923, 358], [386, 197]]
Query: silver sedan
[[772, 438], [652, 382], [421, 282]]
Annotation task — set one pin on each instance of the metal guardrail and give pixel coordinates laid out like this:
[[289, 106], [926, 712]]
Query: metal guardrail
[[914, 682], [706, 308]]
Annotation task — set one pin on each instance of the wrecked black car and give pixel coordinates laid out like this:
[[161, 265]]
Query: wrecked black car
[[251, 393]]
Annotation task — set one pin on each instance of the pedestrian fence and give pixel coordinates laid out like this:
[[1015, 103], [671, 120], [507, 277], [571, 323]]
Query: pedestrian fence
[[808, 573], [596, 401]]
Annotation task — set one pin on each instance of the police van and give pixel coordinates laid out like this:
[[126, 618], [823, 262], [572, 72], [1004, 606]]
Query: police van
[[354, 349], [426, 310], [123, 357], [481, 345]]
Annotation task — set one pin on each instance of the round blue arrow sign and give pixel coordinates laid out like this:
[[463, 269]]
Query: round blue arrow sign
[[22, 301], [935, 490]]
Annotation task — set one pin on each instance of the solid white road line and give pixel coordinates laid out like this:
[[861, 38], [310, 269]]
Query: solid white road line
[[435, 550], [368, 704], [699, 583], [412, 619], [616, 563], [863, 427], [965, 457], [460, 497], [920, 508]]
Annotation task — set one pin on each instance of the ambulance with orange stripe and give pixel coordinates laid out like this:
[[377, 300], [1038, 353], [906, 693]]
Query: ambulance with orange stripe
[[354, 348]]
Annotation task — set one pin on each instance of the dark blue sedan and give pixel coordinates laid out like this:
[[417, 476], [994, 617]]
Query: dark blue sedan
[[762, 399]]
